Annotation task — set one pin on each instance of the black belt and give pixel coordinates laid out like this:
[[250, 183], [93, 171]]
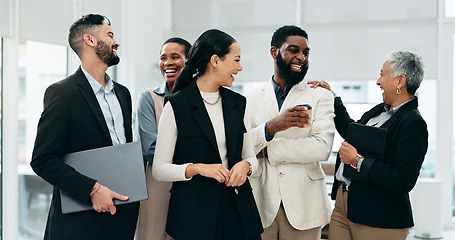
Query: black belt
[[344, 187]]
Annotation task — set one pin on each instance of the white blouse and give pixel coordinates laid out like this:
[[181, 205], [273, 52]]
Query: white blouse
[[165, 170]]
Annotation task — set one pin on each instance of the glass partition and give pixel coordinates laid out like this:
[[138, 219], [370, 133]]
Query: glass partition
[[1, 132], [40, 64], [450, 9], [453, 125]]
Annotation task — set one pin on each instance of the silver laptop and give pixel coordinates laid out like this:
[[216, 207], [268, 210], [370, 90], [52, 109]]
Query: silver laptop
[[118, 167]]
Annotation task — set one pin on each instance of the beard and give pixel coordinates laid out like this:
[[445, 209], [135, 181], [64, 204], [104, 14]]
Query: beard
[[285, 71], [106, 54]]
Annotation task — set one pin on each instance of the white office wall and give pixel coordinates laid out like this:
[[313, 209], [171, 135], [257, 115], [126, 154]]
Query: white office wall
[[49, 20], [109, 8], [357, 52], [250, 22], [45, 20], [348, 39], [146, 26], [5, 18], [330, 11]]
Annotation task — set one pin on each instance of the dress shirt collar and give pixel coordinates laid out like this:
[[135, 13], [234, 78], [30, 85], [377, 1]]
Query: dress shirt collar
[[96, 86], [277, 89], [395, 109], [162, 90]]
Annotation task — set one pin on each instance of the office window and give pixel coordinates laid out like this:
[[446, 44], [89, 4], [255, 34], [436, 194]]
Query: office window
[[450, 8], [1, 132], [40, 64], [453, 129]]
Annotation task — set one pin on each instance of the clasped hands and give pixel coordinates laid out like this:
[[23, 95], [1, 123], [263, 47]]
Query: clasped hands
[[102, 199], [233, 178]]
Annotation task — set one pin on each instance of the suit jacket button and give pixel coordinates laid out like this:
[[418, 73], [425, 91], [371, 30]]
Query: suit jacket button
[[236, 191]]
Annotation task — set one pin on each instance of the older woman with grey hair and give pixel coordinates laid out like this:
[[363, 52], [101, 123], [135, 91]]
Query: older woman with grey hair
[[372, 193]]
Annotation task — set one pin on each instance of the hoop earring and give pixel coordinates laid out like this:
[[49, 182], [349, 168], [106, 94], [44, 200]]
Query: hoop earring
[[398, 90]]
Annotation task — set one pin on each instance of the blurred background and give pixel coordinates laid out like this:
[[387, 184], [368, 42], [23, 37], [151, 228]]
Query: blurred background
[[348, 41]]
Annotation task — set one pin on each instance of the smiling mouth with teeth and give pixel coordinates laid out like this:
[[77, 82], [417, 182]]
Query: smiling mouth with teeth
[[170, 71], [296, 66]]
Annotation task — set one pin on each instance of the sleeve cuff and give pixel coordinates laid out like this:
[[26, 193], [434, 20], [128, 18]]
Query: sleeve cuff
[[254, 165], [267, 137], [366, 165], [183, 170], [359, 163]]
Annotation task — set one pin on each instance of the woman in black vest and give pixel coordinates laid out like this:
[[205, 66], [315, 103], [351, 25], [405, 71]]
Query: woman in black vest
[[205, 149]]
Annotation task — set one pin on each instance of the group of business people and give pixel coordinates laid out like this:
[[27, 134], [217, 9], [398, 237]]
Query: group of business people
[[221, 165]]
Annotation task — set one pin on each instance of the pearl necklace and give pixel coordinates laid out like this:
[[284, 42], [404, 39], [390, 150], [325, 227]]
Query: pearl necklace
[[217, 100]]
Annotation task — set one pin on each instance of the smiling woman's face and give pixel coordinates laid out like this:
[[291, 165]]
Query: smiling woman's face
[[229, 66], [172, 61], [388, 84]]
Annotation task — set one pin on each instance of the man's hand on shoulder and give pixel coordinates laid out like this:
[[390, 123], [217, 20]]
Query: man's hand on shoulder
[[323, 84]]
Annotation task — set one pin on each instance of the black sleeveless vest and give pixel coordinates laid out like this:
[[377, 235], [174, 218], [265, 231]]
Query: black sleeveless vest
[[194, 204]]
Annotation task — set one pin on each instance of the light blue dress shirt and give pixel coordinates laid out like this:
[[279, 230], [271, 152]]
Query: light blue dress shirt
[[146, 120], [110, 106]]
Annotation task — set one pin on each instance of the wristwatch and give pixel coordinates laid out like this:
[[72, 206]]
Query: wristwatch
[[356, 158]]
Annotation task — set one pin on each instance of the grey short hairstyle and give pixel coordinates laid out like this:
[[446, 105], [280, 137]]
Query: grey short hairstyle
[[408, 64]]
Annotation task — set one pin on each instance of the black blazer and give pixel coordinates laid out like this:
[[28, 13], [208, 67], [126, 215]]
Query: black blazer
[[72, 121], [194, 204], [378, 195]]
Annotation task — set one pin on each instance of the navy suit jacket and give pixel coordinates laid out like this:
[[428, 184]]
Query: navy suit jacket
[[72, 121]]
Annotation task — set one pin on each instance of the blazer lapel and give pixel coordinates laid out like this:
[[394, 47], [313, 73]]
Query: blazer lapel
[[200, 115], [87, 92], [294, 94], [375, 111], [269, 99], [231, 126], [125, 113], [411, 105]]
